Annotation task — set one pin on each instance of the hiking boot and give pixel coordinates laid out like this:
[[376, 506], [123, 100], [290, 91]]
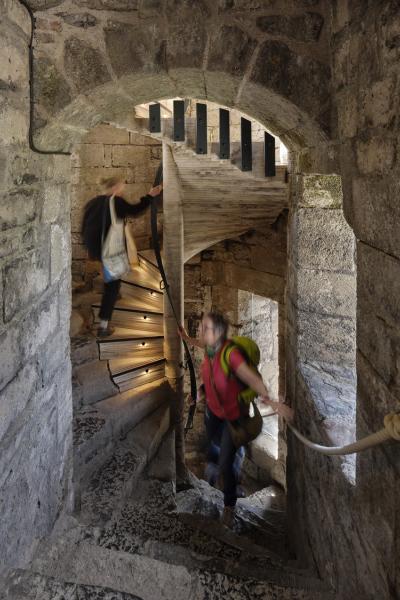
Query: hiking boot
[[103, 332], [211, 473], [240, 493], [228, 516]]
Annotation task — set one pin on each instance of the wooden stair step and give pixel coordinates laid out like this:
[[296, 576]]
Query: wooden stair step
[[117, 345], [140, 322], [145, 297], [135, 377], [120, 366]]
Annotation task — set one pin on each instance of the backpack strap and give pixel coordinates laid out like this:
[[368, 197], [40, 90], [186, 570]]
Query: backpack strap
[[225, 356]]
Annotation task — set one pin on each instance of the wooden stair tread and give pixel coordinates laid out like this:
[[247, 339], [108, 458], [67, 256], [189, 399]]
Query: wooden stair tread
[[119, 366], [121, 334], [126, 307]]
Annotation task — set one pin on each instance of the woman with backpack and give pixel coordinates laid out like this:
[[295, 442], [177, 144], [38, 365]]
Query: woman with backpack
[[222, 398], [95, 227]]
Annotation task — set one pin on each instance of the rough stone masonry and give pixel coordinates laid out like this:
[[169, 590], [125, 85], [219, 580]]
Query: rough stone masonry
[[324, 76]]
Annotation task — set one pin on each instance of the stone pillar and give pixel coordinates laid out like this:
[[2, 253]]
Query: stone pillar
[[173, 264]]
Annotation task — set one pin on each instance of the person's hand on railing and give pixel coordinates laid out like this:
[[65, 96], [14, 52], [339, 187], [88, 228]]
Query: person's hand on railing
[[282, 409], [156, 191]]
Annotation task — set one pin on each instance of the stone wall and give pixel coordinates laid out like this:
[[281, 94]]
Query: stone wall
[[88, 63], [352, 527], [35, 379], [104, 152], [258, 319], [324, 77]]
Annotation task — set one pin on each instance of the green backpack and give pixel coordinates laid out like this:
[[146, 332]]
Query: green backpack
[[251, 352]]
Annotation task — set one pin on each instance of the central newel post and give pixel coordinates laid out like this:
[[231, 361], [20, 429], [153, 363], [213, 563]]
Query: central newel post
[[173, 263]]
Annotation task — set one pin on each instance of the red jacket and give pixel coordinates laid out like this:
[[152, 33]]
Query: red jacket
[[228, 388]]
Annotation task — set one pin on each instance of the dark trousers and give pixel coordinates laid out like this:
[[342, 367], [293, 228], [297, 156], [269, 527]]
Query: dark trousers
[[218, 433], [110, 293]]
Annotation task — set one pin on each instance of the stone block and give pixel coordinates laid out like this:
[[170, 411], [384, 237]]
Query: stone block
[[51, 90], [304, 82], [29, 498], [377, 222], [84, 64], [18, 14], [375, 155], [326, 293], [9, 355], [136, 139], [348, 112], [59, 252], [38, 327], [303, 28], [231, 51], [16, 395], [129, 156], [320, 191], [269, 260], [56, 202], [118, 5], [82, 20], [263, 284], [106, 134], [24, 280], [378, 284], [323, 338], [378, 106], [145, 172], [15, 124], [16, 241], [187, 33], [54, 356], [14, 67], [324, 240], [126, 55], [88, 155]]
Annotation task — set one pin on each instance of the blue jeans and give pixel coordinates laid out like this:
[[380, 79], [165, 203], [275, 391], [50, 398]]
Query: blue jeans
[[222, 453]]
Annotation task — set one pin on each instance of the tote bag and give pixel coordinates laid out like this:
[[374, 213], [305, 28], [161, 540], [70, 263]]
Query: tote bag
[[113, 252]]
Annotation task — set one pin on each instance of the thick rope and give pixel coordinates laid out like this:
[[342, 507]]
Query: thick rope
[[391, 430]]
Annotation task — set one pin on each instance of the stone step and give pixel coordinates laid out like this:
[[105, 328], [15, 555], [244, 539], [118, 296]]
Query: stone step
[[115, 481], [92, 383], [27, 585], [166, 572], [97, 428]]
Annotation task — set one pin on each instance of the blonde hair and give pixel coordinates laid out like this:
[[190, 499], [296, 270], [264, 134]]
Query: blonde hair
[[110, 182]]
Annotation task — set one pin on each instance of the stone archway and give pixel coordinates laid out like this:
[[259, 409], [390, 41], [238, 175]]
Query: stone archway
[[96, 65]]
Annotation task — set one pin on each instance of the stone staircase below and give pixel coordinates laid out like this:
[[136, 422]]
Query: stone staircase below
[[134, 537]]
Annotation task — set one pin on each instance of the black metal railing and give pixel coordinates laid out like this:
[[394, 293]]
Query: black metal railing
[[157, 252], [246, 144]]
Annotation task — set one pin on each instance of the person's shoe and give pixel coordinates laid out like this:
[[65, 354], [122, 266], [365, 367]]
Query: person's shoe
[[240, 493], [211, 473], [228, 516], [103, 332]]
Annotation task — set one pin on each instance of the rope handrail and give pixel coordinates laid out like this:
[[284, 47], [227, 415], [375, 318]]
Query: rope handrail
[[391, 430], [157, 252]]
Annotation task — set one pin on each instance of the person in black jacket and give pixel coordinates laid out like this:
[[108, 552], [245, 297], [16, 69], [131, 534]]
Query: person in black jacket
[[95, 225]]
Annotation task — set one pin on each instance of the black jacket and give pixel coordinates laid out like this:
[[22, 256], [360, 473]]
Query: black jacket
[[97, 215]]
